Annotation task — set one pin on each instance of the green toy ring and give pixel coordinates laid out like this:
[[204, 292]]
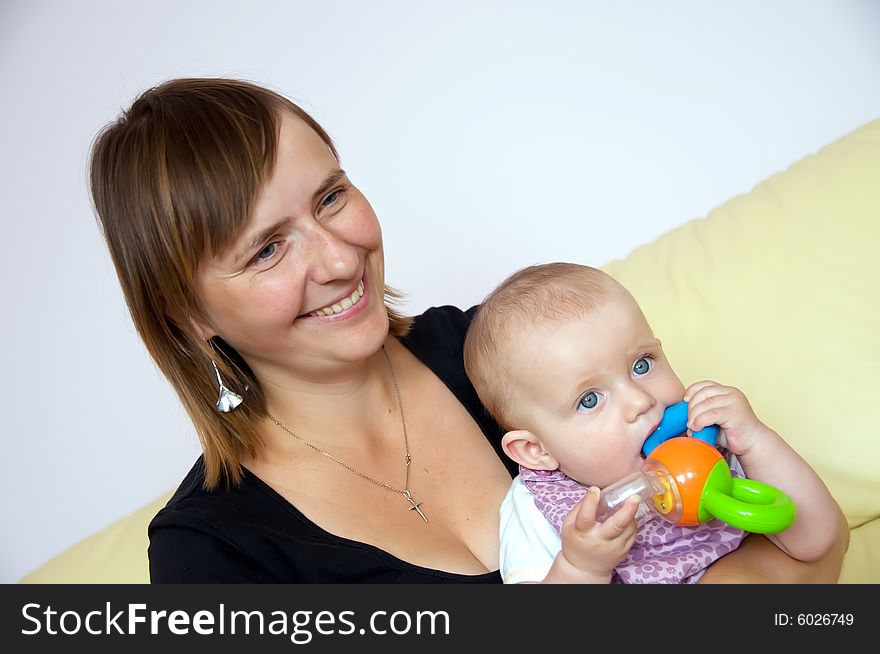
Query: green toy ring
[[745, 503]]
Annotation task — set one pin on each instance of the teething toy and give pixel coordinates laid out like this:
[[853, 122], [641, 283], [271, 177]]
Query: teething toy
[[686, 481]]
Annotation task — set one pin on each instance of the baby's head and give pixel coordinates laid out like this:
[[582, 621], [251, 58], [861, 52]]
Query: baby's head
[[563, 358]]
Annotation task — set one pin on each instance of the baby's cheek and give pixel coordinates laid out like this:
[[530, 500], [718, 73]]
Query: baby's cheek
[[676, 387], [669, 389], [679, 390]]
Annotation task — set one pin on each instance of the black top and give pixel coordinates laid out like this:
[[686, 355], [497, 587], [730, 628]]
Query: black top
[[252, 534]]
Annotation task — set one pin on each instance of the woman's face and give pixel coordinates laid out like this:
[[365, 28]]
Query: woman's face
[[303, 286]]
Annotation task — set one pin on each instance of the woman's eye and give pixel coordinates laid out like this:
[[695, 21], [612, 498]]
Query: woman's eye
[[589, 400], [266, 253], [331, 199], [642, 366]]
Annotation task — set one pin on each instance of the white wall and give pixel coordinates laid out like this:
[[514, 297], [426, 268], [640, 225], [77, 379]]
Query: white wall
[[488, 136]]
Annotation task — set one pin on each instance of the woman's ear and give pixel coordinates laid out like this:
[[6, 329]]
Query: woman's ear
[[524, 447], [182, 317], [203, 329]]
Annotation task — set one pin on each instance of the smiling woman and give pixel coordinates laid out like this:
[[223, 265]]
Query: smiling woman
[[179, 224], [348, 444], [253, 267]]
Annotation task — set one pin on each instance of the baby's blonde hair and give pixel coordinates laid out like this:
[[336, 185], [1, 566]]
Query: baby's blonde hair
[[539, 295]]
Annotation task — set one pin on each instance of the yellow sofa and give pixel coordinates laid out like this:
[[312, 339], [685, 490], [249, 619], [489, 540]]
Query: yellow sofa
[[775, 291]]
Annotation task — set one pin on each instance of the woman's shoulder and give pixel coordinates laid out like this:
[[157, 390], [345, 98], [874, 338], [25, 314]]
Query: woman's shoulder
[[439, 333], [436, 337], [444, 322], [204, 535], [193, 504]]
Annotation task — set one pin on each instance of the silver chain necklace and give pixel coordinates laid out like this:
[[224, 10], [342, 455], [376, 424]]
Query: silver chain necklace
[[403, 491]]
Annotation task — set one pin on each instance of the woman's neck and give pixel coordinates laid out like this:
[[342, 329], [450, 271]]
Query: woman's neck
[[343, 406]]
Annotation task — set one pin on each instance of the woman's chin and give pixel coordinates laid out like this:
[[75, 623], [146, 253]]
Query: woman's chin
[[363, 342]]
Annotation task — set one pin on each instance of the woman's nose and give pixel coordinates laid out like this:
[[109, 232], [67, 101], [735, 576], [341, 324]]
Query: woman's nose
[[332, 257]]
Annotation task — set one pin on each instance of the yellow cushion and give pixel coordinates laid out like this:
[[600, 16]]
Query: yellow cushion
[[776, 292], [862, 560], [115, 555]]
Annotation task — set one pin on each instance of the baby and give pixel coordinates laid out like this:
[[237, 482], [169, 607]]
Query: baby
[[563, 358]]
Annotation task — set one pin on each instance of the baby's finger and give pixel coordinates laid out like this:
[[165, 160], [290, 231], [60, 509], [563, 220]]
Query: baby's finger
[[695, 387], [585, 511], [709, 411], [623, 519], [704, 393]]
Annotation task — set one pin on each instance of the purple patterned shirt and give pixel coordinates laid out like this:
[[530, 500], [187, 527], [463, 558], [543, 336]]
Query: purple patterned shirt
[[663, 553]]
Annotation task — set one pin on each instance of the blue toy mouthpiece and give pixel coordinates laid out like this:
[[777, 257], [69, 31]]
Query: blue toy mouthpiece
[[674, 422]]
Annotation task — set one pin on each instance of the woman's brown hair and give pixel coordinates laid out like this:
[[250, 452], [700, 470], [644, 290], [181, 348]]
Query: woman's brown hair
[[172, 179]]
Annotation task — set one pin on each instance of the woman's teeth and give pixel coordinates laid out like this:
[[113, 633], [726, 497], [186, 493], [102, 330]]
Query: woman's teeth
[[344, 304]]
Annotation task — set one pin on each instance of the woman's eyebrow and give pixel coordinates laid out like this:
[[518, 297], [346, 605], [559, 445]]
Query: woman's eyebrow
[[328, 183]]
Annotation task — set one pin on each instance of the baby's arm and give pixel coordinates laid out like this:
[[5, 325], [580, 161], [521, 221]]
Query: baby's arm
[[590, 549], [766, 457], [759, 561]]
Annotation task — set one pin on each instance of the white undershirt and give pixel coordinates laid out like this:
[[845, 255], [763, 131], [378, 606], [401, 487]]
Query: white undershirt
[[529, 543]]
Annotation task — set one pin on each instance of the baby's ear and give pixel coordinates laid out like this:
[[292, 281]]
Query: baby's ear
[[524, 447]]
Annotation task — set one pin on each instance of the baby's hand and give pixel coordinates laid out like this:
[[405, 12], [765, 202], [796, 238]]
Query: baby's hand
[[710, 403], [596, 548]]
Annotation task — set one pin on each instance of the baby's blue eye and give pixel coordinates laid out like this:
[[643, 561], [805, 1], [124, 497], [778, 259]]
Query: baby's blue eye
[[589, 400], [642, 366]]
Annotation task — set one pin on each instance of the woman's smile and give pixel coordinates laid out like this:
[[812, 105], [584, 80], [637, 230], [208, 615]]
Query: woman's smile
[[346, 306]]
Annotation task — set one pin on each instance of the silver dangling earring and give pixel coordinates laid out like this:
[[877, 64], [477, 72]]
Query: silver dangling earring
[[228, 400]]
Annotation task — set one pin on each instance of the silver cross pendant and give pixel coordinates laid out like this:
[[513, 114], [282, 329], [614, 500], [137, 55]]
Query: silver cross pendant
[[415, 505]]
